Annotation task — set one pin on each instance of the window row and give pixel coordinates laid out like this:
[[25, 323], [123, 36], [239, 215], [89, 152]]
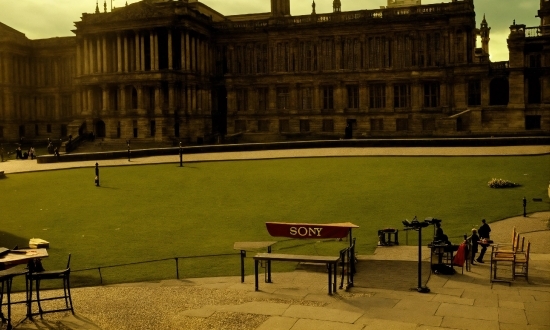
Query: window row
[[376, 97]]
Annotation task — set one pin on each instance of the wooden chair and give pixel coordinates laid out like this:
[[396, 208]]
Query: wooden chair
[[40, 276], [522, 260], [516, 246], [497, 259]]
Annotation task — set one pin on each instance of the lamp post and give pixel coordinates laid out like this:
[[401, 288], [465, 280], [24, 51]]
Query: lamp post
[[181, 156], [416, 225], [97, 174], [524, 207], [128, 143]]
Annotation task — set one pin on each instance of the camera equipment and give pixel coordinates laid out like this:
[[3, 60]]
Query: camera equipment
[[417, 225]]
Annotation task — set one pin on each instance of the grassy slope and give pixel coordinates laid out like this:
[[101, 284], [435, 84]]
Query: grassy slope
[[162, 211]]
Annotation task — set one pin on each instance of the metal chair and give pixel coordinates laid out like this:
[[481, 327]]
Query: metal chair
[[62, 274]]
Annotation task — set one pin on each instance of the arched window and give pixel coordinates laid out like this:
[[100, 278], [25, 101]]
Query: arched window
[[100, 128], [499, 92]]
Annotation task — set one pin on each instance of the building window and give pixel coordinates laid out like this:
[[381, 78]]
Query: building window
[[401, 96], [240, 126], [135, 125], [431, 95], [534, 61], [402, 124], [1, 132], [328, 97], [428, 124], [49, 128], [534, 91], [242, 99], [377, 98], [262, 99], [263, 125], [532, 122], [118, 130], [306, 98], [36, 130], [474, 92], [304, 125], [377, 124], [153, 128], [284, 125], [283, 98], [328, 125], [499, 91], [353, 97]]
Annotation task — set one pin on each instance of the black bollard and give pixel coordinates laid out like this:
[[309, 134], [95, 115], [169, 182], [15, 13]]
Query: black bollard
[[524, 207], [128, 142], [181, 156], [97, 174]]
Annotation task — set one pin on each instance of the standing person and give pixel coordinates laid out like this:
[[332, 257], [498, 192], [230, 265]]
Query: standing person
[[473, 239], [31, 152], [484, 233], [18, 153]]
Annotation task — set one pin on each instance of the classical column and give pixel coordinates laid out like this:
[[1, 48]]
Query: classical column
[[156, 44], [152, 49], [119, 53], [170, 54], [139, 96], [194, 98], [158, 101], [105, 98], [126, 55], [142, 52], [90, 101], [137, 51], [182, 53], [122, 100], [85, 57], [171, 97], [99, 59], [78, 68], [105, 61], [187, 52]]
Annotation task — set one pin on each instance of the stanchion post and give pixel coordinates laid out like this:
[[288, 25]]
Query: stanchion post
[[181, 156], [97, 174], [128, 143], [524, 207]]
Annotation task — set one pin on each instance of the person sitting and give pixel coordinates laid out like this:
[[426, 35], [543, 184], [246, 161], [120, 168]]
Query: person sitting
[[440, 236]]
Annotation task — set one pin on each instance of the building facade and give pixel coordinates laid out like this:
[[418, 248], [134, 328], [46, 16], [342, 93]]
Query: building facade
[[168, 71]]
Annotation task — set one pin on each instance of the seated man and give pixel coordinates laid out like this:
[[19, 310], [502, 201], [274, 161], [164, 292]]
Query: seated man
[[440, 236]]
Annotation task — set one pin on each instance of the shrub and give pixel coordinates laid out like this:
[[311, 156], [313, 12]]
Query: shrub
[[500, 183]]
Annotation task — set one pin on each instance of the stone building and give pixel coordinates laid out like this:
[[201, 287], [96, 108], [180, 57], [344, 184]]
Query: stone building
[[167, 71]]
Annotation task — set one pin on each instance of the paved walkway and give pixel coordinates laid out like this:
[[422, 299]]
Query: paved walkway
[[298, 300]]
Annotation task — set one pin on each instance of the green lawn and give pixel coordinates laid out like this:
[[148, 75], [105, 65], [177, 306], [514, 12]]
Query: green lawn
[[164, 211]]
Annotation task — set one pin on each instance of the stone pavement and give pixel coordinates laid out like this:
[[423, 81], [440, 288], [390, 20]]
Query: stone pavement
[[298, 300]]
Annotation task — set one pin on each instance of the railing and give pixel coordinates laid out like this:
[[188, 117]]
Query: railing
[[532, 32], [500, 65], [374, 14], [175, 259]]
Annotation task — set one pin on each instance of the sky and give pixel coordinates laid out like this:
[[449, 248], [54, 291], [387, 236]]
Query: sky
[[39, 19]]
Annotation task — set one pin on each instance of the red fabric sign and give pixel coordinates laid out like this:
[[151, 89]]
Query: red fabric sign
[[309, 230]]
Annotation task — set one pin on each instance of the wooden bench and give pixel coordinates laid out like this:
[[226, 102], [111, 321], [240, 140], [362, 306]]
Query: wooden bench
[[330, 261]]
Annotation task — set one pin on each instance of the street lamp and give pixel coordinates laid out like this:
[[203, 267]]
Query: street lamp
[[417, 225]]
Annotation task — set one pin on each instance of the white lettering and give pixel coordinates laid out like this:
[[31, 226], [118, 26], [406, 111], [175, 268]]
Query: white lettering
[[293, 231]]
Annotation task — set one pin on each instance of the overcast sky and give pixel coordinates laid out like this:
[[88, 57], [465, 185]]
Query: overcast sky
[[55, 18]]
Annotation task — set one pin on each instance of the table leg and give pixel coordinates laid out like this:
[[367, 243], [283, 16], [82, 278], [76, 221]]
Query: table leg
[[243, 255], [256, 275], [268, 266], [8, 285], [335, 266]]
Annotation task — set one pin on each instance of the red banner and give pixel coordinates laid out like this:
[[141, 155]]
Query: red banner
[[309, 230]]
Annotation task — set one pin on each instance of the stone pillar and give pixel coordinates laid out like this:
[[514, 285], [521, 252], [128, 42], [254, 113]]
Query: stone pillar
[[170, 54], [363, 97], [171, 98], [126, 55], [152, 49], [138, 51], [156, 44], [122, 99], [194, 98], [105, 61], [139, 96], [90, 101], [187, 52], [85, 57], [158, 101], [338, 51], [417, 96], [98, 54], [193, 58], [119, 53], [142, 52], [78, 68], [105, 98], [182, 53]]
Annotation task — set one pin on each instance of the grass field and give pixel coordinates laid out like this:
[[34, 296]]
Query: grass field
[[163, 211]]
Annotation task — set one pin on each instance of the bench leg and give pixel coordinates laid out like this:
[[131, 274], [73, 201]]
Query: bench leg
[[256, 275], [335, 278], [243, 255], [329, 266]]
